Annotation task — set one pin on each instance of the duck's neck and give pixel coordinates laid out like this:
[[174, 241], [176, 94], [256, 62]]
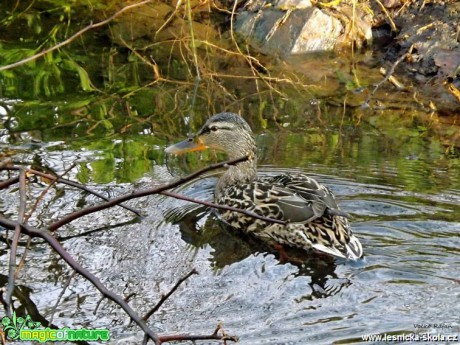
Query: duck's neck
[[240, 173], [244, 172]]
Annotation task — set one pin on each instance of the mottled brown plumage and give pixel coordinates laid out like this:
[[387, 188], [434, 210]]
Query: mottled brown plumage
[[315, 220]]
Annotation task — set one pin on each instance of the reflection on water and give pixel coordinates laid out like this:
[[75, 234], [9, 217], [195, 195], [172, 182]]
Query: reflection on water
[[395, 169], [404, 210], [228, 247]]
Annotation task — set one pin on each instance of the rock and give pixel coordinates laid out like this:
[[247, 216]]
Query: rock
[[392, 3], [319, 33], [286, 29], [257, 5], [431, 41], [292, 4], [448, 62]]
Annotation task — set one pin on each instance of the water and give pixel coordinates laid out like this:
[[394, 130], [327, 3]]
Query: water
[[395, 168], [408, 277]]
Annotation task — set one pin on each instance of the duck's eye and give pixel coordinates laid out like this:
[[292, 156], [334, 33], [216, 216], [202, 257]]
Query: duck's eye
[[213, 128]]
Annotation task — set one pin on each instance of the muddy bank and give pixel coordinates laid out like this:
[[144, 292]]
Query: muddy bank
[[429, 35]]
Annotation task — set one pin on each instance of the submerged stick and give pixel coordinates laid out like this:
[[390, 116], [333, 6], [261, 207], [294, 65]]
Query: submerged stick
[[388, 74], [165, 297]]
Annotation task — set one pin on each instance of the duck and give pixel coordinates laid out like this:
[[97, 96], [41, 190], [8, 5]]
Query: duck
[[312, 219]]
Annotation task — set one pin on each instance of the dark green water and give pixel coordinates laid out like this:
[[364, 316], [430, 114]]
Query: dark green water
[[394, 169]]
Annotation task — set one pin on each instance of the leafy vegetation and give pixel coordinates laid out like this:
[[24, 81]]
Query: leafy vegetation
[[121, 91]]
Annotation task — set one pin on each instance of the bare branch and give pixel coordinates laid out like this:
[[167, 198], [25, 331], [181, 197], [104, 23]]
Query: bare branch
[[14, 244], [77, 214], [64, 288], [48, 237], [165, 297], [9, 182], [214, 336], [31, 211], [224, 207], [64, 181], [44, 192]]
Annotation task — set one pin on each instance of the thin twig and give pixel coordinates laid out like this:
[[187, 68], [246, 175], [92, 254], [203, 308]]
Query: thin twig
[[98, 304], [14, 244], [5, 162], [195, 60], [70, 183], [156, 71], [45, 191], [64, 288], [223, 207], [254, 70], [166, 22], [32, 210], [73, 37], [77, 214], [165, 297], [49, 238], [192, 37], [127, 298], [392, 23], [214, 336], [389, 73], [9, 182]]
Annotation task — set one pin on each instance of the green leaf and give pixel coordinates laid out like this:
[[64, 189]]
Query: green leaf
[[85, 81]]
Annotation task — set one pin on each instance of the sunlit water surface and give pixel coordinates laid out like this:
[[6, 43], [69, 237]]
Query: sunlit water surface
[[407, 282]]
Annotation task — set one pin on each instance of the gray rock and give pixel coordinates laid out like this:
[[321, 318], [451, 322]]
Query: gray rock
[[257, 5], [291, 4], [300, 31], [319, 33]]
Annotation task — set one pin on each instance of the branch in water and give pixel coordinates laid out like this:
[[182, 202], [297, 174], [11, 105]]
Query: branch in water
[[157, 190]]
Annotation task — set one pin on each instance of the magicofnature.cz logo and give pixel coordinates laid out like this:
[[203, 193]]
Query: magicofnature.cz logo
[[19, 328]]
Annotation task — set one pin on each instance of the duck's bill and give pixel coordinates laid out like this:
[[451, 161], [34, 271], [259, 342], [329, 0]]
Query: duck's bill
[[189, 145]]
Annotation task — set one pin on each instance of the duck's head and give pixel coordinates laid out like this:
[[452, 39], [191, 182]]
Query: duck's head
[[226, 132]]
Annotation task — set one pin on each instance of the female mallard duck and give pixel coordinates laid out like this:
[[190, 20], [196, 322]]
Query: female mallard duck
[[314, 219]]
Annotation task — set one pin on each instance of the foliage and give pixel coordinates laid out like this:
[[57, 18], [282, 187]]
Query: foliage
[[118, 92]]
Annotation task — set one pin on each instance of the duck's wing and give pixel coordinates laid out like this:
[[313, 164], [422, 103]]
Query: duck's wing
[[314, 219], [301, 198]]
